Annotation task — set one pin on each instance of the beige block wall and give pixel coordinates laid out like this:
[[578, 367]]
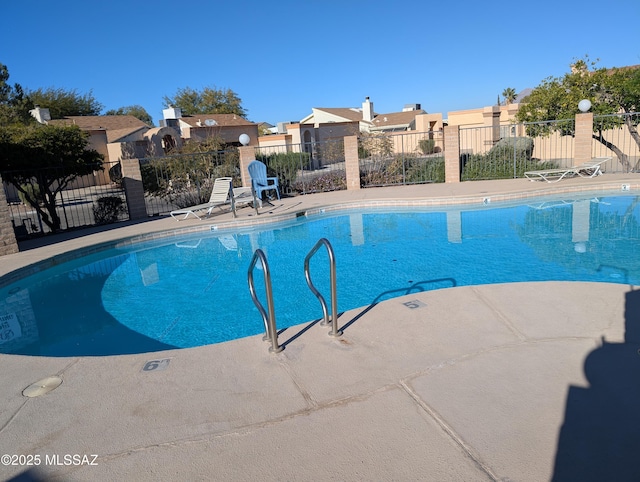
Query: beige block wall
[[98, 142], [476, 117], [296, 131], [276, 143], [336, 130], [429, 122], [295, 136], [466, 118]]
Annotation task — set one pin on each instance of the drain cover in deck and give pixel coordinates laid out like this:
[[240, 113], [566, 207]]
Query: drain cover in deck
[[42, 386]]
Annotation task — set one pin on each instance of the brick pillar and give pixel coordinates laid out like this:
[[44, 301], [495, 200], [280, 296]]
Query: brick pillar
[[584, 137], [132, 182], [8, 243], [247, 154], [352, 162], [452, 153]]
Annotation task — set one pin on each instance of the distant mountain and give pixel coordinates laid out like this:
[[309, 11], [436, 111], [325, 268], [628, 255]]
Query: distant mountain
[[522, 95]]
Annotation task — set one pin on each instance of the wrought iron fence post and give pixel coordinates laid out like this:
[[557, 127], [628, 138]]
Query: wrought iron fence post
[[404, 167], [515, 170]]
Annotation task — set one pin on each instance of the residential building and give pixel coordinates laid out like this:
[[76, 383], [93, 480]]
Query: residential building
[[227, 127], [332, 123], [117, 137]]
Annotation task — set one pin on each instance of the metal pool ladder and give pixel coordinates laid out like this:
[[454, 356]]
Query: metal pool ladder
[[269, 318], [332, 279]]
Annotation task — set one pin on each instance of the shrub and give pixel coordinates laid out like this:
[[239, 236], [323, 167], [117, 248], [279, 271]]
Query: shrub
[[509, 158], [403, 169], [330, 181], [427, 146], [425, 170], [187, 179], [504, 148], [382, 172], [375, 145], [108, 209]]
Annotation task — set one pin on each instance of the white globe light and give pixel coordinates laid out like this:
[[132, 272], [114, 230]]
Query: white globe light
[[244, 139], [584, 105]]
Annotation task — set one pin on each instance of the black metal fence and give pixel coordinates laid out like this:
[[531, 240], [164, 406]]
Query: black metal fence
[[613, 138], [495, 153], [172, 182], [390, 159], [510, 150], [178, 181], [306, 168], [89, 200]]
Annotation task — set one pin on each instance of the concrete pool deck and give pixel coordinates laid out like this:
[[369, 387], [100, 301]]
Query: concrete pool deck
[[526, 381]]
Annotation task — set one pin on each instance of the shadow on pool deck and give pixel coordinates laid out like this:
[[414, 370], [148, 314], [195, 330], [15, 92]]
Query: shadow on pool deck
[[599, 439], [493, 382]]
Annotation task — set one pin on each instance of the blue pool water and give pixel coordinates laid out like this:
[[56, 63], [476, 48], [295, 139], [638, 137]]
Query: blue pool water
[[193, 291]]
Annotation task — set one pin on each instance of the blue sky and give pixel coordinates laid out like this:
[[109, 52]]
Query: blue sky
[[283, 58]]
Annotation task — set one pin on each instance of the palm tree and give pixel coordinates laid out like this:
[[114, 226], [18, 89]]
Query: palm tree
[[509, 95]]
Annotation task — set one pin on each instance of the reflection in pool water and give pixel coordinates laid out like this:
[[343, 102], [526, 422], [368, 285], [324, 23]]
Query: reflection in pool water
[[192, 292]]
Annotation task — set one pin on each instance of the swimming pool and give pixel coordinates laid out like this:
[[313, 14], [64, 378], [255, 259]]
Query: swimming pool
[[193, 291]]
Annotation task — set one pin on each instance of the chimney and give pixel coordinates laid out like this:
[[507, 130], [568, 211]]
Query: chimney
[[172, 113], [367, 110], [40, 114], [170, 118], [411, 107]]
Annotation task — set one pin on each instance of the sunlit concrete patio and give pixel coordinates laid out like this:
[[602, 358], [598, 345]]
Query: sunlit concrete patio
[[527, 381]]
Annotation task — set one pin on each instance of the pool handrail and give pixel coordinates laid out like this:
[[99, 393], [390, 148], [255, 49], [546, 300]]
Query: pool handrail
[[269, 319], [332, 279]]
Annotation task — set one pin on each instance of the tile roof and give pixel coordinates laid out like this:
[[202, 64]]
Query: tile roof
[[116, 126], [379, 120], [345, 112], [396, 118]]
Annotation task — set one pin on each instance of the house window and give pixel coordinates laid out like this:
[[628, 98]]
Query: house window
[[507, 132]]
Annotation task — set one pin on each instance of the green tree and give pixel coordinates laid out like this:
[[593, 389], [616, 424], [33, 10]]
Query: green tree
[[42, 160], [208, 101], [509, 95], [14, 104], [135, 110], [62, 103], [611, 91], [5, 88], [263, 130]]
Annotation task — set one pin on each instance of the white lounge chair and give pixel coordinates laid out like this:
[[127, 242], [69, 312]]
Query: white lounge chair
[[587, 169], [221, 195], [229, 242], [242, 195]]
